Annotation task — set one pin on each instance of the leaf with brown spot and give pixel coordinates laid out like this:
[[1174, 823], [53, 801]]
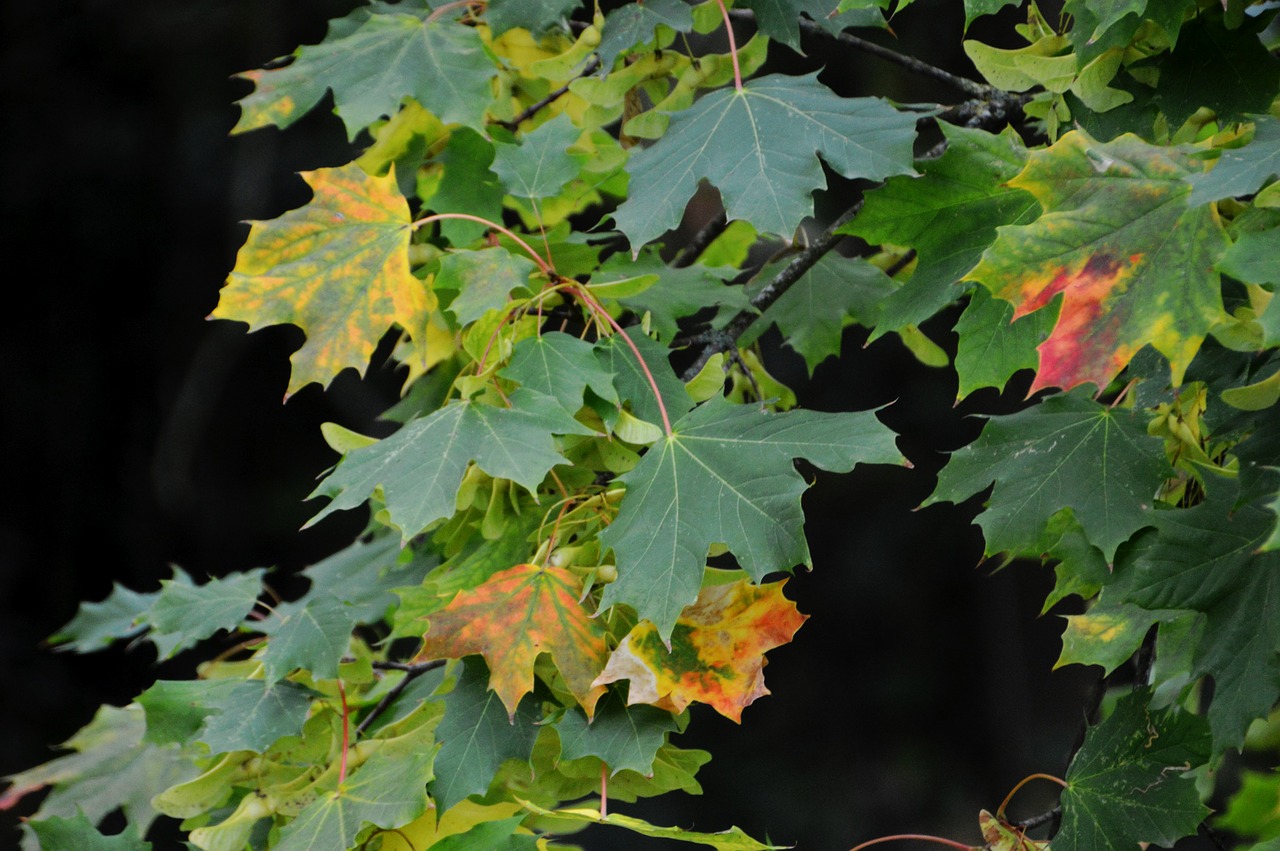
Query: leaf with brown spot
[[338, 268], [717, 650], [1133, 264], [511, 619]]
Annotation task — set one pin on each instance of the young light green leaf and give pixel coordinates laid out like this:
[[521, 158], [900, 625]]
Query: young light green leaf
[[371, 69], [725, 476], [1067, 451], [759, 147], [1126, 784], [420, 467]]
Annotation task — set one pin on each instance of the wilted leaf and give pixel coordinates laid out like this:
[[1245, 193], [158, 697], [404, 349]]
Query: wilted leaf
[[512, 618], [338, 268], [717, 650], [1133, 265]]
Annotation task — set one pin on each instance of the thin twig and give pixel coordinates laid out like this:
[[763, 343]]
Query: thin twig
[[534, 108], [700, 241], [918, 66], [412, 672], [724, 339], [1040, 820]]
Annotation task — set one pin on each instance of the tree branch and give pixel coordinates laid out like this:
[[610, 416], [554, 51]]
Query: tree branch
[[533, 108], [703, 238], [412, 672], [724, 339]]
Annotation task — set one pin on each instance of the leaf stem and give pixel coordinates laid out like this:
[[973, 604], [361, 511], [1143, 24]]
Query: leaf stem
[[346, 733], [604, 790], [600, 312], [733, 46], [1023, 782], [921, 836], [546, 267]]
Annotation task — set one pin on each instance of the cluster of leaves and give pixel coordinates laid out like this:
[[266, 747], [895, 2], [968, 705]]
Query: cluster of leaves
[[586, 423]]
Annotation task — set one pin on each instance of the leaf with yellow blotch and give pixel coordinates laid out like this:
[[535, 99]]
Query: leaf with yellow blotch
[[512, 618], [1133, 263], [717, 650], [338, 268]]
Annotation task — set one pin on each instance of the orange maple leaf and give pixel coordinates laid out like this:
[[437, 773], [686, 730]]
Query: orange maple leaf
[[717, 650], [513, 617]]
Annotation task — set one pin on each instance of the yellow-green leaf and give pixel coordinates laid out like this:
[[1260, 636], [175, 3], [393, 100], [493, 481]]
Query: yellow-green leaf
[[338, 268]]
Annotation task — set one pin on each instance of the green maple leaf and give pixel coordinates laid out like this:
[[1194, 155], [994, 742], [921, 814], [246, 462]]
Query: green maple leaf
[[388, 791], [948, 215], [539, 164], [226, 714], [993, 345], [760, 148], [184, 613], [633, 385], [1126, 784], [974, 9], [1241, 171], [624, 738], [1066, 452], [363, 575], [1133, 264], [1206, 559], [779, 19], [477, 736], [467, 184], [484, 280], [725, 475], [59, 834], [95, 625], [313, 636], [1254, 257], [338, 268], [637, 23], [111, 767], [371, 68], [561, 366], [812, 313], [420, 467]]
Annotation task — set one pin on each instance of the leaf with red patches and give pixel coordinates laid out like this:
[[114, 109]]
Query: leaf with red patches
[[511, 619], [1131, 262], [338, 268], [717, 650]]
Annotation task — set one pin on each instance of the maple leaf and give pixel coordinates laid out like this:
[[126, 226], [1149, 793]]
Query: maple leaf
[[1241, 171], [226, 714], [1126, 784], [338, 268], [371, 68], [1206, 559], [540, 165], [625, 738], [111, 767], [948, 214], [634, 23], [1133, 264], [1067, 452], [420, 467], [993, 346], [725, 475], [483, 279], [513, 617], [79, 833], [759, 147], [313, 636], [717, 650], [562, 366]]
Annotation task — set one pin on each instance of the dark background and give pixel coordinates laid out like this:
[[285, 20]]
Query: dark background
[[137, 434]]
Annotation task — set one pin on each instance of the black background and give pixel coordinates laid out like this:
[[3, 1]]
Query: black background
[[137, 434]]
